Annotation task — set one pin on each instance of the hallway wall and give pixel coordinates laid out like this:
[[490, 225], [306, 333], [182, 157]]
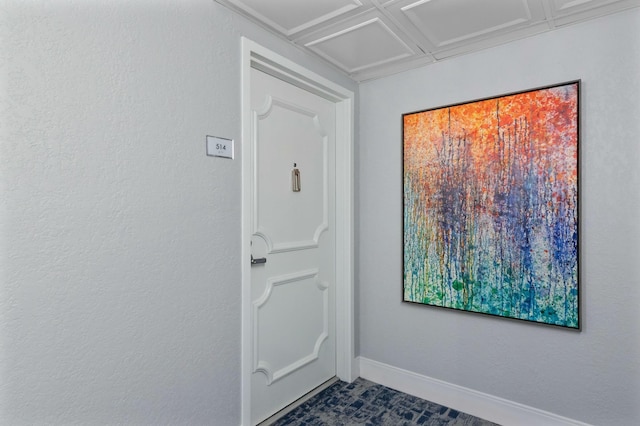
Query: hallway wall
[[592, 375], [119, 238]]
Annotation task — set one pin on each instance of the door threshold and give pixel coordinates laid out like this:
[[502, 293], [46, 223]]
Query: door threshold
[[298, 402]]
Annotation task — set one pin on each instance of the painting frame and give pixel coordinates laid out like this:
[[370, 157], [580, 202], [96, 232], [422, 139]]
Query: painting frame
[[491, 206]]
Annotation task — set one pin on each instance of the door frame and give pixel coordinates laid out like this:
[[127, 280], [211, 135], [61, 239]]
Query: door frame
[[263, 59]]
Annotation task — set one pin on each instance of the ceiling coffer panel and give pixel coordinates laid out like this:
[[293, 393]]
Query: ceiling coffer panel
[[444, 22], [567, 6], [569, 11], [447, 28], [291, 17], [348, 45]]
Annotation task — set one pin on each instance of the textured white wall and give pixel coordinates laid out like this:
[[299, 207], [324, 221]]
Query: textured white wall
[[594, 375], [119, 238]]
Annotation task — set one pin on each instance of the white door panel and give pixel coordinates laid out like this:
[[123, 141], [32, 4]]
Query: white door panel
[[293, 293], [303, 143], [280, 356]]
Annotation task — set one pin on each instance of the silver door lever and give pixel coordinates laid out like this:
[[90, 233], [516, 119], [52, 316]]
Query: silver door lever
[[258, 261]]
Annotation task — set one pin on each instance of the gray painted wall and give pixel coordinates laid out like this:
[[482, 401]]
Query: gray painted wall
[[593, 375], [119, 238]]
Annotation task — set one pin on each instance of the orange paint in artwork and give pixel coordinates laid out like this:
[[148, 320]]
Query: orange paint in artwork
[[527, 125]]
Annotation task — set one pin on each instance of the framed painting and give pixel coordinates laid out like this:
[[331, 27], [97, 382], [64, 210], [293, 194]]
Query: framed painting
[[491, 206]]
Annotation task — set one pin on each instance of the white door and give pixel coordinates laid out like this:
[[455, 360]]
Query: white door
[[293, 232]]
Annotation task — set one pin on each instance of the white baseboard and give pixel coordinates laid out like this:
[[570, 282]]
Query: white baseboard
[[485, 406]]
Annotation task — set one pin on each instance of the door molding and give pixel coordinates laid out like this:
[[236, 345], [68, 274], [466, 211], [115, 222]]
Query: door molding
[[263, 59]]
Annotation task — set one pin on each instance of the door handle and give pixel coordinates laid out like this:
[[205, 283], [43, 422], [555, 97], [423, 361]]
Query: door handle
[[258, 261]]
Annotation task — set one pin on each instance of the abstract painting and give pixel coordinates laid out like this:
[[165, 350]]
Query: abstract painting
[[491, 206]]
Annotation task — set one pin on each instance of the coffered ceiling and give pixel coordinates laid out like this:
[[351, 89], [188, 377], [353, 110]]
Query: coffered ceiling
[[368, 39]]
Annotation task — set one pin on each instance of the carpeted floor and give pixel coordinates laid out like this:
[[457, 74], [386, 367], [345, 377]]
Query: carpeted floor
[[366, 403]]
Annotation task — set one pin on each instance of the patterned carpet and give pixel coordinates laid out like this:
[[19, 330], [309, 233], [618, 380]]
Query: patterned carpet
[[366, 403]]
